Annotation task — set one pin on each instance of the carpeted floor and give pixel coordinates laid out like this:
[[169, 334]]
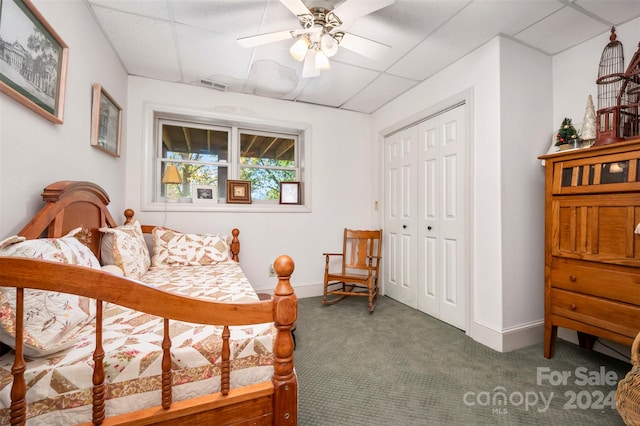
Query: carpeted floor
[[399, 366]]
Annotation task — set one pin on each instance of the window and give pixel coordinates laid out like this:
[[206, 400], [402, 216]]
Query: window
[[210, 151], [266, 160]]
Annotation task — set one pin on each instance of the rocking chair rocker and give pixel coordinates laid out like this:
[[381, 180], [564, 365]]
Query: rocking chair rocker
[[360, 265]]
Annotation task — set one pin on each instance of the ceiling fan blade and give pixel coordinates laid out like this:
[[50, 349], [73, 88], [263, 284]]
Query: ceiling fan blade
[[296, 7], [260, 39], [351, 10], [364, 46]]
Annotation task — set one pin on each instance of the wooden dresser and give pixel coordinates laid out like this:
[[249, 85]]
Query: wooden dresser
[[592, 255]]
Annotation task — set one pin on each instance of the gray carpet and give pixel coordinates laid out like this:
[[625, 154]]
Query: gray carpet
[[399, 366]]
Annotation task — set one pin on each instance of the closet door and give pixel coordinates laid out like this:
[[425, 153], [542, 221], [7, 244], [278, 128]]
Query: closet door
[[400, 256], [442, 183], [425, 219]]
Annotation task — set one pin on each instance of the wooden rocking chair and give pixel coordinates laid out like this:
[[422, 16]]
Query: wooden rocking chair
[[360, 264]]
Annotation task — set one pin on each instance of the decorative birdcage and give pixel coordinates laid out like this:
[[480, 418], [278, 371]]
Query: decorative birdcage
[[610, 80], [629, 99]]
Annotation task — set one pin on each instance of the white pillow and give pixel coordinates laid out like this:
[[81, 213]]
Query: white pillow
[[125, 247], [175, 248], [52, 320]]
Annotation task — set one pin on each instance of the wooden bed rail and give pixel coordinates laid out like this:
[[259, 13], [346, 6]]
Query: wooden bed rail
[[24, 273]]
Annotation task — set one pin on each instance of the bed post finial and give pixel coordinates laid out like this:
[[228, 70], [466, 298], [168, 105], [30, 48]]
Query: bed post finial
[[235, 244], [128, 214], [285, 306]]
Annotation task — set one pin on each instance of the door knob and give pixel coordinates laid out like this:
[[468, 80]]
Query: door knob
[[428, 228], [404, 226]]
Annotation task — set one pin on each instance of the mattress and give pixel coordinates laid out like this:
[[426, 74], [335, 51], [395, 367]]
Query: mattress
[[59, 385]]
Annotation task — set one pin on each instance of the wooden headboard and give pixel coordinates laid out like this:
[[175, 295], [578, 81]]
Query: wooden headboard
[[72, 204]]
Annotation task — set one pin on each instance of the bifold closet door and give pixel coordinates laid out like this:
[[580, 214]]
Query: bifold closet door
[[442, 217], [425, 220]]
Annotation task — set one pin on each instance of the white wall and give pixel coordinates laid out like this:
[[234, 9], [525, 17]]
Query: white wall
[[576, 70], [493, 320], [35, 152], [341, 189], [526, 103]]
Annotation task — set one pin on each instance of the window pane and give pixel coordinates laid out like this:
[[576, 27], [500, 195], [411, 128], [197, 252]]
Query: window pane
[[267, 150], [265, 183], [191, 143], [193, 173]]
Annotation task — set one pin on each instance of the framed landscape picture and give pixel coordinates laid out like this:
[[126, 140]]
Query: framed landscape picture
[[106, 121], [33, 60]]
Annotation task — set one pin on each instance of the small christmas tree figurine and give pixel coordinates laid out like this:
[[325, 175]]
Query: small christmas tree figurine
[[567, 133], [588, 131]]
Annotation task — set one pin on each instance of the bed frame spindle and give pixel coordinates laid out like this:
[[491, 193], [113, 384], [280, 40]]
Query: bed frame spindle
[[166, 367], [98, 414], [225, 377], [19, 389]]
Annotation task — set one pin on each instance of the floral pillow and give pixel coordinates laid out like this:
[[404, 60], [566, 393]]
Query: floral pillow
[[175, 248], [52, 320], [125, 247]]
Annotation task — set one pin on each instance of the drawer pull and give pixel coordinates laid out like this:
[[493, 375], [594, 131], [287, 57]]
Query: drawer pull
[[572, 278], [573, 307]]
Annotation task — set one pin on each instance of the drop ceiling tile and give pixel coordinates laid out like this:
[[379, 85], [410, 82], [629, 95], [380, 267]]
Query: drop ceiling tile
[[335, 86], [203, 53], [569, 28], [274, 71], [234, 18], [378, 93], [145, 45], [401, 27], [150, 8], [614, 11], [473, 26]]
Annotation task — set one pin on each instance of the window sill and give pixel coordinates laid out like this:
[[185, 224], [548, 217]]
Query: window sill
[[226, 207]]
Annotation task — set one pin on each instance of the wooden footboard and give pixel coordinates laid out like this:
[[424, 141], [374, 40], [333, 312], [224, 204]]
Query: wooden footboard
[[83, 204], [265, 403]]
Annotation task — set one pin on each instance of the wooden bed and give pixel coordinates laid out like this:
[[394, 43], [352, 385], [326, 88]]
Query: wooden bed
[[71, 204]]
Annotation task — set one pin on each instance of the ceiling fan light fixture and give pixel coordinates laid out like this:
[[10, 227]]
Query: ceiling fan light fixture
[[308, 68], [328, 45], [299, 49], [321, 61]]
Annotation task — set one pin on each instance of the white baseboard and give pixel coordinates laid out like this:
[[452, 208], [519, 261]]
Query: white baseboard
[[302, 291], [309, 290], [508, 339]]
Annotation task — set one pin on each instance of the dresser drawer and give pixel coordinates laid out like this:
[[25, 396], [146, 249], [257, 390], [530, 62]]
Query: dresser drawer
[[609, 315], [598, 281]]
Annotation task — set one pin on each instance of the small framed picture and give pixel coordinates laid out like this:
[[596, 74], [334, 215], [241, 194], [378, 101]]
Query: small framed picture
[[289, 192], [239, 191], [205, 194], [106, 122]]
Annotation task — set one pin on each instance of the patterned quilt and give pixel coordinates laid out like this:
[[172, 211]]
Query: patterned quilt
[[59, 385]]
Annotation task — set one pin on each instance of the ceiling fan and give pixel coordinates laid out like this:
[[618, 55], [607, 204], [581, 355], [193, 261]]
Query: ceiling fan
[[319, 39]]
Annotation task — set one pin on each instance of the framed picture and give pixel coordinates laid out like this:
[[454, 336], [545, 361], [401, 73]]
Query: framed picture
[[33, 60], [205, 194], [289, 192], [106, 120], [239, 191]]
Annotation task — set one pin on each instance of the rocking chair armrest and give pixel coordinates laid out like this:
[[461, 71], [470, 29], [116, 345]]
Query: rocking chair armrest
[[333, 254]]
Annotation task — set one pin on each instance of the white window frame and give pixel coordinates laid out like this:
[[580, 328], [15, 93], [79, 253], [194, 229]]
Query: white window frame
[[151, 168]]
